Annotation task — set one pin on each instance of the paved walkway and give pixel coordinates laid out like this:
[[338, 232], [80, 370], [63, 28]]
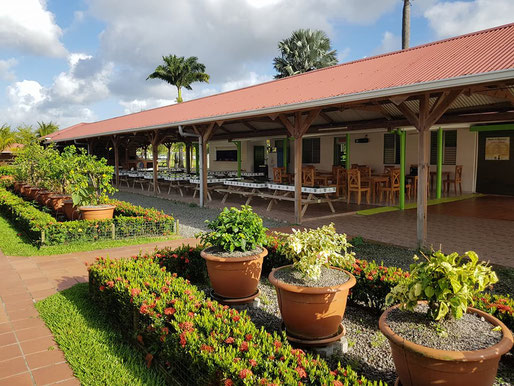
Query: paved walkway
[[28, 353]]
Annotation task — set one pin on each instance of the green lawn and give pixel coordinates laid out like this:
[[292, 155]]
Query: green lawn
[[13, 243], [95, 350]]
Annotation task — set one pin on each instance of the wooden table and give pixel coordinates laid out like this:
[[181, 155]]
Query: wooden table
[[286, 192], [215, 182], [247, 189], [374, 182], [434, 174]]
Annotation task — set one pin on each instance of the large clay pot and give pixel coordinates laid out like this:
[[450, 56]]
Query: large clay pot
[[70, 210], [40, 195], [56, 201], [311, 313], [422, 366], [24, 190], [17, 186], [32, 192], [234, 277], [96, 212]]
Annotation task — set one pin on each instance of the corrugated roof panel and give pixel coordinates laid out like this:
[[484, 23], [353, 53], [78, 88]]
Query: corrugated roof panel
[[477, 53]]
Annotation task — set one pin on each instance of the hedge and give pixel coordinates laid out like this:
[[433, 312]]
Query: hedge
[[42, 228], [374, 281], [199, 340]]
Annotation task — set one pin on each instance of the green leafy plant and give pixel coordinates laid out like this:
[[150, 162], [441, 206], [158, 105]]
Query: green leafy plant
[[449, 283], [312, 249], [91, 180], [235, 230]]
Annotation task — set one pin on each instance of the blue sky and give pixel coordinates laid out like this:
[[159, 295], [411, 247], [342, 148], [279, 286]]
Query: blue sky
[[71, 61]]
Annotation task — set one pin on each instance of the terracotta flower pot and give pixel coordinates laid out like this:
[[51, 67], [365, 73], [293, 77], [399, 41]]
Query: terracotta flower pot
[[17, 186], [32, 192], [234, 277], [42, 196], [96, 212], [56, 201], [70, 210], [24, 190], [422, 366], [313, 313]]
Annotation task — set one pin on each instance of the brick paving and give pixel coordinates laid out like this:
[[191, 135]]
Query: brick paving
[[28, 352]]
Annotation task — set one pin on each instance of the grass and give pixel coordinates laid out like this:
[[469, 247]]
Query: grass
[[413, 205], [13, 243], [96, 351]]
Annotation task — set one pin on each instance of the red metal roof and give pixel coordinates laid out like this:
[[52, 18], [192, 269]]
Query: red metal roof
[[480, 52]]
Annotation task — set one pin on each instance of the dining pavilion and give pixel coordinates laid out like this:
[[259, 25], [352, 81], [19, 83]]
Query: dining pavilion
[[465, 82]]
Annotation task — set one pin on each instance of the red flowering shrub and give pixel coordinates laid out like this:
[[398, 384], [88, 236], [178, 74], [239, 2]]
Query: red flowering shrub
[[201, 335]]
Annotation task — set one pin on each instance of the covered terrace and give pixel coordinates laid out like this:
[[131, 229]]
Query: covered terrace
[[463, 81]]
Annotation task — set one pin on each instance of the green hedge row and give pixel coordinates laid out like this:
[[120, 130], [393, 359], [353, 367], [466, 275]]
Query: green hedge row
[[374, 281], [43, 228], [199, 340]]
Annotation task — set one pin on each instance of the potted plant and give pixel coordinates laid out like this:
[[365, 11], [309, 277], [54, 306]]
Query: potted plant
[[436, 337], [312, 292], [90, 185], [235, 253], [61, 165]]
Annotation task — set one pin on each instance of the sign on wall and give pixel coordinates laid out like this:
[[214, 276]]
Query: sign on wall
[[497, 148]]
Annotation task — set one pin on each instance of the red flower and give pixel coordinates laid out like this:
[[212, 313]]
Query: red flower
[[186, 326], [165, 330], [148, 358], [186, 261], [243, 347], [143, 309], [248, 337], [135, 291], [236, 318], [174, 255], [337, 383], [253, 362], [301, 372], [102, 288], [119, 279], [277, 344], [183, 340], [236, 360], [229, 340], [228, 382], [169, 311], [110, 284], [245, 373], [140, 339], [206, 348]]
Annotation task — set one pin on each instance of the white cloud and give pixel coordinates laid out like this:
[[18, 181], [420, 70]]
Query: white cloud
[[460, 17], [390, 42], [253, 78], [5, 69], [137, 105], [27, 26]]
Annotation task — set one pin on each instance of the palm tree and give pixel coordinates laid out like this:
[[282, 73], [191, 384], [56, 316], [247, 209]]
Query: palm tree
[[180, 72], [305, 50], [45, 129], [6, 137], [406, 24], [25, 135]]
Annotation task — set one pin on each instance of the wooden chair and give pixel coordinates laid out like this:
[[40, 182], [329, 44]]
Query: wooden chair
[[341, 182], [456, 180], [354, 185], [308, 176], [280, 176], [392, 187], [388, 167]]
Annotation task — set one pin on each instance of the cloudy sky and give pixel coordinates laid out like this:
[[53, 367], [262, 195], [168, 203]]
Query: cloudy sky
[[71, 61]]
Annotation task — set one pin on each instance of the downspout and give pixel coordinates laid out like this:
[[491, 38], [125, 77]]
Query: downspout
[[200, 159]]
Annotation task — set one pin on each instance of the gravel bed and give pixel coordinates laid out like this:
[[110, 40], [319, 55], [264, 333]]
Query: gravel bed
[[191, 217], [215, 251], [469, 333], [388, 254], [329, 277], [369, 351]]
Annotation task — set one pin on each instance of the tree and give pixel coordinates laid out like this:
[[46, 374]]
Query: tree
[[6, 137], [305, 50], [25, 135], [180, 72], [406, 24], [44, 129]]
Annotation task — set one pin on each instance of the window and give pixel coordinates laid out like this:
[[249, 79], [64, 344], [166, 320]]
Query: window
[[311, 152], [226, 155], [449, 147], [391, 149]]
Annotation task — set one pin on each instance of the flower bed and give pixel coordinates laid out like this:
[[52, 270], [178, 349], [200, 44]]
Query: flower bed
[[201, 341], [42, 228], [374, 281]]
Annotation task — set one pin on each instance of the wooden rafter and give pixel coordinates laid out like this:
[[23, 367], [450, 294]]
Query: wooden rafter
[[326, 117], [249, 125]]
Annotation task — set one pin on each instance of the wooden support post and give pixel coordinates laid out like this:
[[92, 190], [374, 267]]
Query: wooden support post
[[155, 140], [403, 138], [115, 145], [238, 145], [298, 179], [423, 175], [439, 162], [197, 158], [204, 168], [188, 157], [284, 152]]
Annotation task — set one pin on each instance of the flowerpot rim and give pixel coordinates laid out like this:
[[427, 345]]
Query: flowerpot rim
[[500, 348], [210, 257], [91, 208], [311, 290]]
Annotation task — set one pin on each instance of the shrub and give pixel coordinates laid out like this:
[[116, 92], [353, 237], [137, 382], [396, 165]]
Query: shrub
[[312, 249], [129, 221], [449, 283], [6, 170], [184, 260], [235, 230], [213, 344]]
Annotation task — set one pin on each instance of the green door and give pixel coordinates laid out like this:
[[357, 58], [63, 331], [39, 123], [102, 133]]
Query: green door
[[259, 160]]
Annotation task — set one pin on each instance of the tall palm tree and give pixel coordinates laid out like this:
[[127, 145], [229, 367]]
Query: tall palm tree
[[25, 135], [180, 72], [6, 137], [406, 24], [45, 129], [305, 50]]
